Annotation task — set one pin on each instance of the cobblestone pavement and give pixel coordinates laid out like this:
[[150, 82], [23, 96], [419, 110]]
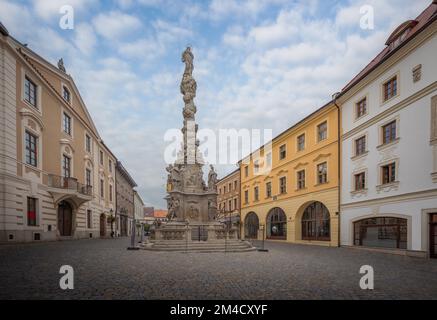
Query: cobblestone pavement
[[104, 269]]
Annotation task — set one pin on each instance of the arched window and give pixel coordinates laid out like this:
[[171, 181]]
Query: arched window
[[276, 224], [315, 223], [251, 226], [384, 232]]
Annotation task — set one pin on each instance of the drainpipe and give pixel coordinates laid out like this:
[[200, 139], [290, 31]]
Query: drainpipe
[[334, 99]]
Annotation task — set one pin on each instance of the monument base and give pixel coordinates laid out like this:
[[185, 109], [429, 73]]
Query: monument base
[[196, 237]]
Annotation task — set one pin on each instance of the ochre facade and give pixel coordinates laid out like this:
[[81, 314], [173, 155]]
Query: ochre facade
[[280, 211]]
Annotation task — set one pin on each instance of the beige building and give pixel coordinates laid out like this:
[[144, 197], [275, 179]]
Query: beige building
[[228, 198], [56, 175], [125, 201]]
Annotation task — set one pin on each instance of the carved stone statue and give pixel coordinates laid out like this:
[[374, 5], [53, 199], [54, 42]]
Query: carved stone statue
[[61, 65], [212, 179], [187, 58], [174, 177], [173, 209]]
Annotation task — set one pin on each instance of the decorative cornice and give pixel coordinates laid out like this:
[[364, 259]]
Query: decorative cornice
[[321, 156], [28, 113]]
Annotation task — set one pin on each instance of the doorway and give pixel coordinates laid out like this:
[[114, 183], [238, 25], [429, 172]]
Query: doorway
[[433, 235], [102, 225], [65, 219]]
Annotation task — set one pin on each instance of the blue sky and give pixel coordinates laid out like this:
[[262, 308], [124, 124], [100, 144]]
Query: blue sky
[[258, 63]]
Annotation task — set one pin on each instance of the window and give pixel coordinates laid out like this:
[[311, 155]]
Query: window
[[88, 177], [382, 232], [390, 88], [301, 142], [360, 181], [235, 204], [246, 196], [224, 189], [269, 159], [89, 219], [256, 192], [88, 143], [66, 94], [389, 132], [268, 189], [31, 149], [230, 205], [361, 108], [66, 166], [283, 185], [31, 211], [256, 166], [230, 187], [360, 146], [102, 188], [110, 192], [30, 93], [301, 179], [389, 173], [235, 185], [101, 157], [322, 131], [246, 171], [316, 222], [110, 165], [282, 152], [67, 124], [322, 173]]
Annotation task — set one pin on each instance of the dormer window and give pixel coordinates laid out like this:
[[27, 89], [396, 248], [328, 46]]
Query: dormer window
[[400, 34], [66, 94]]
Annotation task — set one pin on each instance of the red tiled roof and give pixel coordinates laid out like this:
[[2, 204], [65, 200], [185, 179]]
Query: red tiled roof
[[160, 213], [427, 16]]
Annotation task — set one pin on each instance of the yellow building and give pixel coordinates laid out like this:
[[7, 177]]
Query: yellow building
[[290, 190]]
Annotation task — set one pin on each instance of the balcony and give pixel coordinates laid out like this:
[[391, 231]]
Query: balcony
[[62, 188]]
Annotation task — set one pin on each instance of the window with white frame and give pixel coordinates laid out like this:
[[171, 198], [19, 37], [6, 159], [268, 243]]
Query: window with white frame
[[301, 142], [322, 173], [66, 94], [360, 181], [31, 142], [301, 179], [30, 92], [87, 143], [322, 131], [282, 152], [268, 189], [388, 173], [67, 123], [283, 185], [360, 146]]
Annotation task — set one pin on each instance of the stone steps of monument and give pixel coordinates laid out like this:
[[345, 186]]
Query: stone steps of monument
[[210, 246]]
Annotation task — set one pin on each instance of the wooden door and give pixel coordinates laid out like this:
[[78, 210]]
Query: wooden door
[[65, 219], [433, 235], [102, 225]]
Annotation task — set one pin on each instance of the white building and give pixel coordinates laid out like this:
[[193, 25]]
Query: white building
[[138, 211], [389, 144]]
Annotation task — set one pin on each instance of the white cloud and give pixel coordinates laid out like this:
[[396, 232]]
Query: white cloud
[[49, 9], [115, 24], [85, 38]]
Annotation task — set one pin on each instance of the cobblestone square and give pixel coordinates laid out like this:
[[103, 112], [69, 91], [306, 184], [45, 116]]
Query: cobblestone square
[[104, 269]]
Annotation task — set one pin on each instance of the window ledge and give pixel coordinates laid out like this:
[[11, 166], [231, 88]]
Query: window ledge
[[388, 145], [356, 157], [434, 177], [361, 192], [33, 108], [321, 184], [361, 117], [433, 142], [388, 186], [300, 189]]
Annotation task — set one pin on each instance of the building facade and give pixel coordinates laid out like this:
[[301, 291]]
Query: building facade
[[289, 192], [228, 199], [138, 211], [57, 175], [125, 200], [389, 145]]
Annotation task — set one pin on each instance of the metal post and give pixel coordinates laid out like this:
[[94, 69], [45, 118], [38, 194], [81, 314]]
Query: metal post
[[142, 232], [186, 237]]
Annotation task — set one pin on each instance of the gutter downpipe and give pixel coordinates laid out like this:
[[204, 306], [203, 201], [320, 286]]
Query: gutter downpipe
[[335, 96]]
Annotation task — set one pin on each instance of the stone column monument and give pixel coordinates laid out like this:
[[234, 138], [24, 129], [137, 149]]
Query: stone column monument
[[192, 203]]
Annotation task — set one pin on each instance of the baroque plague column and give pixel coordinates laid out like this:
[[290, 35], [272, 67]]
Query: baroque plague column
[[192, 204]]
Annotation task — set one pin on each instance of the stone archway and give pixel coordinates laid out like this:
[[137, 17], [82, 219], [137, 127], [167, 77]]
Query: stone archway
[[65, 219], [251, 226], [276, 224], [313, 222]]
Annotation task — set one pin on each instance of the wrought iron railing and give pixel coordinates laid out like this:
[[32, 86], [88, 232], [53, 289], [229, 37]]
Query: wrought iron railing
[[55, 181]]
